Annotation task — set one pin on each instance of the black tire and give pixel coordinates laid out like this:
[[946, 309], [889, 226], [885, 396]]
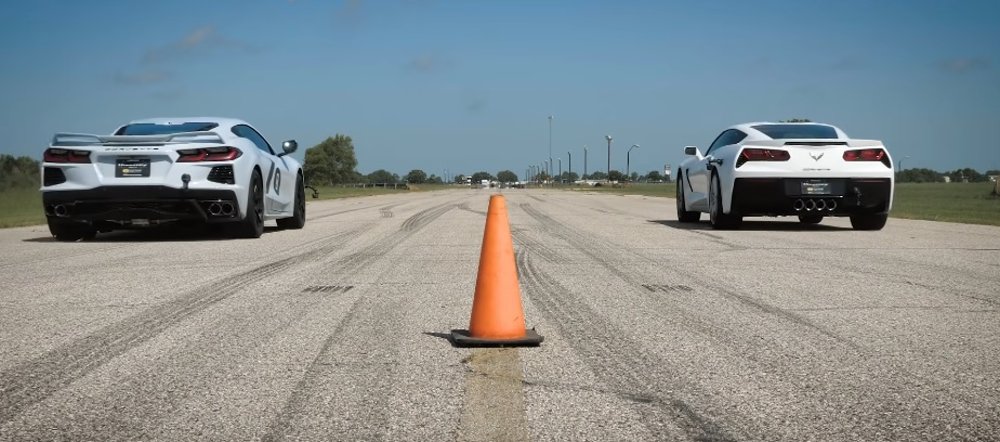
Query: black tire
[[873, 221], [810, 219], [298, 219], [70, 232], [682, 214], [718, 219], [252, 225]]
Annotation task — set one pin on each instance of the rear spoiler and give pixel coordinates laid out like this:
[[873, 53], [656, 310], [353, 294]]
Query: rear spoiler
[[815, 142], [72, 139]]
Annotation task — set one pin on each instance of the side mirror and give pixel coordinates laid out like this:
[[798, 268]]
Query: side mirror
[[690, 150], [289, 146]]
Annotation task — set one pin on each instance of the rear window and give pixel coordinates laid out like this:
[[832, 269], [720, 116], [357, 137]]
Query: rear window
[[163, 129], [783, 131]]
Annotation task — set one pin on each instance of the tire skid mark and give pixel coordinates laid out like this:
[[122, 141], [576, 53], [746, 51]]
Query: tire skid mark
[[369, 313], [593, 246], [621, 364], [359, 260], [34, 380], [382, 208]]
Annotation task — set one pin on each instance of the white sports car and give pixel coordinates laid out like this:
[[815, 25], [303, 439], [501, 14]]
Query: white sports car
[[810, 170], [212, 170]]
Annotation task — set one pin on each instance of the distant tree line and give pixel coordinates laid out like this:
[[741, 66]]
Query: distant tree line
[[18, 173], [955, 176]]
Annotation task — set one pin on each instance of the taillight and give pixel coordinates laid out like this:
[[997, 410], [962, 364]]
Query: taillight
[[66, 156], [751, 154], [208, 154], [868, 155]]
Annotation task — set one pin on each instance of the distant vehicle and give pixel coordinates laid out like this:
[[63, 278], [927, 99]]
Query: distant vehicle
[[485, 184], [211, 170], [809, 170]]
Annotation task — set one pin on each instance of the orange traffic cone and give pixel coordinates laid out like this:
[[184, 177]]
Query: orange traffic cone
[[497, 315]]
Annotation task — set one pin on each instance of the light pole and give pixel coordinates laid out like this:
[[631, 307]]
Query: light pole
[[560, 169], [609, 157], [628, 161], [584, 162], [899, 166], [570, 155], [548, 167], [550, 145]]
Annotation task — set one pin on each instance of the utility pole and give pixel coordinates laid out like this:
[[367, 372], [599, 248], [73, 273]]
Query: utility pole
[[609, 157]]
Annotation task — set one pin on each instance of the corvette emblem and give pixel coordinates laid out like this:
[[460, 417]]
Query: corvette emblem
[[816, 157]]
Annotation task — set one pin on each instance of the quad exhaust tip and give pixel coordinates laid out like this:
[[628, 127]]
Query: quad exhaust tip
[[817, 204]]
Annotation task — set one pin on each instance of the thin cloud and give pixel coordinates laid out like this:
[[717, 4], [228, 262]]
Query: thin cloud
[[199, 41], [849, 63], [427, 63], [964, 65], [142, 77], [350, 12]]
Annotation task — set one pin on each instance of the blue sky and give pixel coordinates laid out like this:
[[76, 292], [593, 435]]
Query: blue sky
[[465, 86]]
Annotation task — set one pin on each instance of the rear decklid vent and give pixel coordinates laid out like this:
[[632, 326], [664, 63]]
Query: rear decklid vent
[[222, 174], [815, 143], [52, 176]]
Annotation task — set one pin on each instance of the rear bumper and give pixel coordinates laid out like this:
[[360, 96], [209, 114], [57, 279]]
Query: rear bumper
[[125, 203], [828, 196]]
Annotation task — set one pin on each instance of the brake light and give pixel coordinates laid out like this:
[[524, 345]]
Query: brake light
[[752, 154], [868, 155], [66, 156], [208, 154]]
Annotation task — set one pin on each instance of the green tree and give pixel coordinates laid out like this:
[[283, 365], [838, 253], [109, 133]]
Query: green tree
[[416, 176], [434, 179], [598, 175], [506, 176], [654, 175], [460, 179], [332, 161], [919, 176], [383, 176], [18, 173], [569, 177], [478, 177], [616, 175], [967, 174]]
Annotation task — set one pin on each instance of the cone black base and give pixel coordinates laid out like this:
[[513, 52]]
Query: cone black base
[[461, 338]]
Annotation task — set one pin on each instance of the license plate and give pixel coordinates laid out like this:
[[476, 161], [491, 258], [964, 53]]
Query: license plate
[[815, 188], [131, 168]]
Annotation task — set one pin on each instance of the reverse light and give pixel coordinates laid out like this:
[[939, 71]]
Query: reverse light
[[753, 154], [66, 156], [868, 155], [224, 153]]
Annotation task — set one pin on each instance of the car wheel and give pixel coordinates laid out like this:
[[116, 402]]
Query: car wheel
[[718, 219], [874, 221], [252, 225], [71, 231], [298, 220], [682, 214], [810, 219]]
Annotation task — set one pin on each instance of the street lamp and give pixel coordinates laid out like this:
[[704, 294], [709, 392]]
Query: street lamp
[[560, 169], [550, 145], [570, 155], [584, 162], [628, 161], [547, 167], [609, 157]]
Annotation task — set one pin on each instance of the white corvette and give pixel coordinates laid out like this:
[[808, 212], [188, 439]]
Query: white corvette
[[809, 170], [212, 170]]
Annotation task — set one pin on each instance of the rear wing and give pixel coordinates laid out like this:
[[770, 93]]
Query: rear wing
[[815, 142], [72, 139]]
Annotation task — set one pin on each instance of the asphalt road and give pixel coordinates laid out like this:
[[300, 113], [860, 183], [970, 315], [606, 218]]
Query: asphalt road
[[653, 330]]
